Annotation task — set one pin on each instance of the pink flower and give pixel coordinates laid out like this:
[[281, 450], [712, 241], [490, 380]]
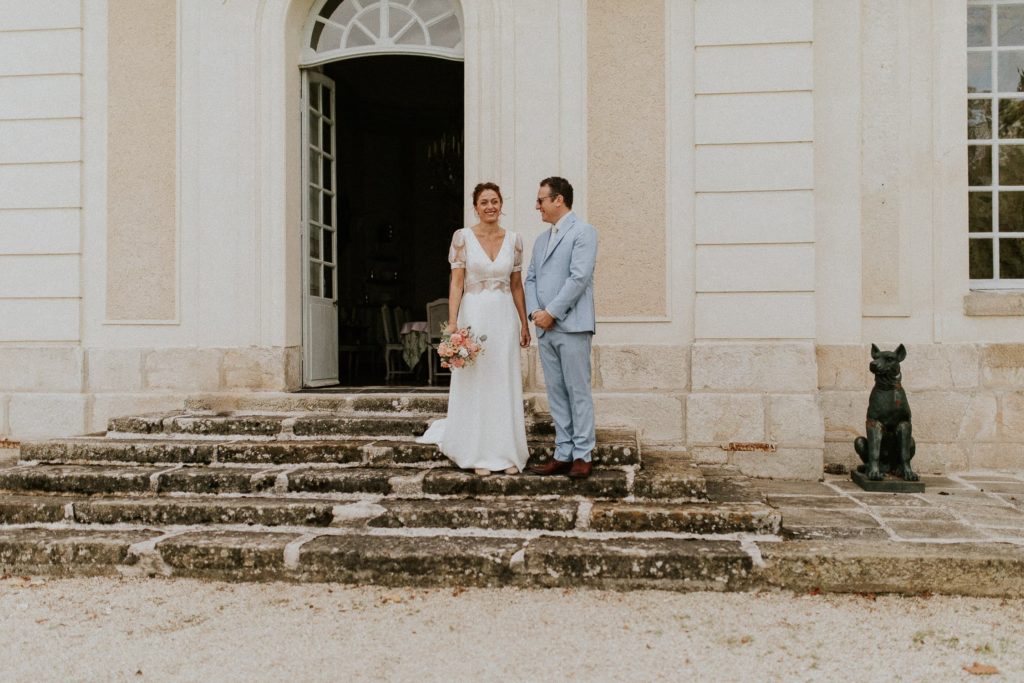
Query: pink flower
[[456, 339], [464, 332], [458, 362]]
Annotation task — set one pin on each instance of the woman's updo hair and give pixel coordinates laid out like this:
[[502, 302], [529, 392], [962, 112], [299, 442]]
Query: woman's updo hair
[[479, 190]]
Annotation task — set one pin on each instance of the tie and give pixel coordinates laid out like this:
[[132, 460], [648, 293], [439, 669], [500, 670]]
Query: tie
[[551, 240]]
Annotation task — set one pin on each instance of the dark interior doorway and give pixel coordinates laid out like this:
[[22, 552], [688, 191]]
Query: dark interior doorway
[[400, 180]]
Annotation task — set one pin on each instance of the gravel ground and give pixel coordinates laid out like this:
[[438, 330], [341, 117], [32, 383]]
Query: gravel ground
[[180, 630]]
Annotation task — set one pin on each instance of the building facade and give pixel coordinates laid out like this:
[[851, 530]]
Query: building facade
[[776, 183]]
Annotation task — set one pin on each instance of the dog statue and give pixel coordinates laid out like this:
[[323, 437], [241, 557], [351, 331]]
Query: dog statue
[[889, 446]]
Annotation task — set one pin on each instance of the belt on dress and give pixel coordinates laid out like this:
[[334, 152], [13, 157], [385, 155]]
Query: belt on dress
[[494, 284]]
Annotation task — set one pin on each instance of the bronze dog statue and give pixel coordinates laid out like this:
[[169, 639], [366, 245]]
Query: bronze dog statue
[[889, 446]]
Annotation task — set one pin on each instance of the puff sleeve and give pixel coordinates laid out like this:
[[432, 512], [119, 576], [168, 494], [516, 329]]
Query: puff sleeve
[[457, 251], [517, 259]]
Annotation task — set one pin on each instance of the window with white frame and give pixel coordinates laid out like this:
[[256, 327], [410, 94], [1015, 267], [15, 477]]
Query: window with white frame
[[995, 142], [342, 29]]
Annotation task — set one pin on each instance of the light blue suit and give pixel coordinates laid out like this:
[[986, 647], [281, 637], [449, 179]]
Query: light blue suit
[[561, 281]]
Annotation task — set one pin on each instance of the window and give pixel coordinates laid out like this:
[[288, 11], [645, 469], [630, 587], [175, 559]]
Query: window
[[995, 143], [352, 28]]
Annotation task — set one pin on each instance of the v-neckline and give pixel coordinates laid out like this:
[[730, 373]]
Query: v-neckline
[[484, 249]]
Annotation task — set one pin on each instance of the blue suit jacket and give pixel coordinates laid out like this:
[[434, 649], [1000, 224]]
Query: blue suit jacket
[[563, 281]]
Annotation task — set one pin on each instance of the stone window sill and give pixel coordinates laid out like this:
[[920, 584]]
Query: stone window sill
[[994, 303]]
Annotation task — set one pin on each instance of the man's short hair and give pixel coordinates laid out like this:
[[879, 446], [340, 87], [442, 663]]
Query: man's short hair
[[559, 186]]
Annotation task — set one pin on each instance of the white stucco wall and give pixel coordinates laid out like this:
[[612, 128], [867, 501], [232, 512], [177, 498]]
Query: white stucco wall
[[754, 169], [40, 170], [800, 138]]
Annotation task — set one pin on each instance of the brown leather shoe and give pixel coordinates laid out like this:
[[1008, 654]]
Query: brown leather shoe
[[580, 469], [550, 467]]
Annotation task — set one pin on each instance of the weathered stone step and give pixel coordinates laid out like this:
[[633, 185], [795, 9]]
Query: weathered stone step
[[165, 510], [613, 449], [270, 425], [668, 480], [301, 424], [276, 402], [546, 515], [432, 402], [451, 482], [390, 559]]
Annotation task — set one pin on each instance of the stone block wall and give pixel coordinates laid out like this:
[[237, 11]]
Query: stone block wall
[[48, 391], [772, 408], [755, 405], [967, 402], [637, 386]]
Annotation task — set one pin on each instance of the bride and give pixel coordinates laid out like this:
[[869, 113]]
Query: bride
[[485, 429]]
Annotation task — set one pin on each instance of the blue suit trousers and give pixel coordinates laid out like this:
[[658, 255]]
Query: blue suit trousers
[[565, 358]]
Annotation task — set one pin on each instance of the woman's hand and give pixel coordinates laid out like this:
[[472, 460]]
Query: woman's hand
[[451, 328], [524, 336]]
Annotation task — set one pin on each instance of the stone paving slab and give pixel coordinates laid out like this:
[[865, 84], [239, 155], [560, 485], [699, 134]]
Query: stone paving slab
[[896, 500], [953, 508], [119, 450], [191, 511], [234, 425], [216, 480], [401, 561], [292, 452], [827, 517], [483, 514], [821, 502], [975, 569], [152, 423], [77, 479], [726, 484], [629, 563], [600, 484], [693, 518], [18, 509], [669, 475], [359, 426], [228, 555], [354, 480], [68, 552]]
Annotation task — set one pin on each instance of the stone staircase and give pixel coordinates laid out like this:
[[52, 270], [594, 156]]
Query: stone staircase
[[333, 487]]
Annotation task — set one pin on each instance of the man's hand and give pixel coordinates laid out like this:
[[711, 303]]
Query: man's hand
[[543, 319]]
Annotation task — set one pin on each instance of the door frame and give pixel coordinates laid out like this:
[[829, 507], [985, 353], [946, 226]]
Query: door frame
[[489, 133]]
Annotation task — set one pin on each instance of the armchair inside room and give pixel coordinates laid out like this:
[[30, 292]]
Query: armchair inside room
[[437, 314], [392, 346]]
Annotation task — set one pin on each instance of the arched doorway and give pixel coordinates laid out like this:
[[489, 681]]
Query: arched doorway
[[382, 101]]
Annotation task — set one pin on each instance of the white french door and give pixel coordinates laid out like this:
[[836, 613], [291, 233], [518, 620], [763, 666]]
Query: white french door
[[319, 229]]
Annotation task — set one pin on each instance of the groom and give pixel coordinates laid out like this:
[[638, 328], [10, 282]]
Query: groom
[[560, 299]]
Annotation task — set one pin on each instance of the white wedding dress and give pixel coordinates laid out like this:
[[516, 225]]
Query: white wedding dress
[[485, 427]]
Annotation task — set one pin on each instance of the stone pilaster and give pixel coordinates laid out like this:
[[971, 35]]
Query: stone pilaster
[[753, 399]]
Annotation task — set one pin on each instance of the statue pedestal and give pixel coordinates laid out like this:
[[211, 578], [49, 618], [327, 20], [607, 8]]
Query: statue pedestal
[[890, 484]]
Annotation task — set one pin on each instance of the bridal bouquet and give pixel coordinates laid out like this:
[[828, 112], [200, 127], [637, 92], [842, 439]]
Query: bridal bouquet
[[460, 348]]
